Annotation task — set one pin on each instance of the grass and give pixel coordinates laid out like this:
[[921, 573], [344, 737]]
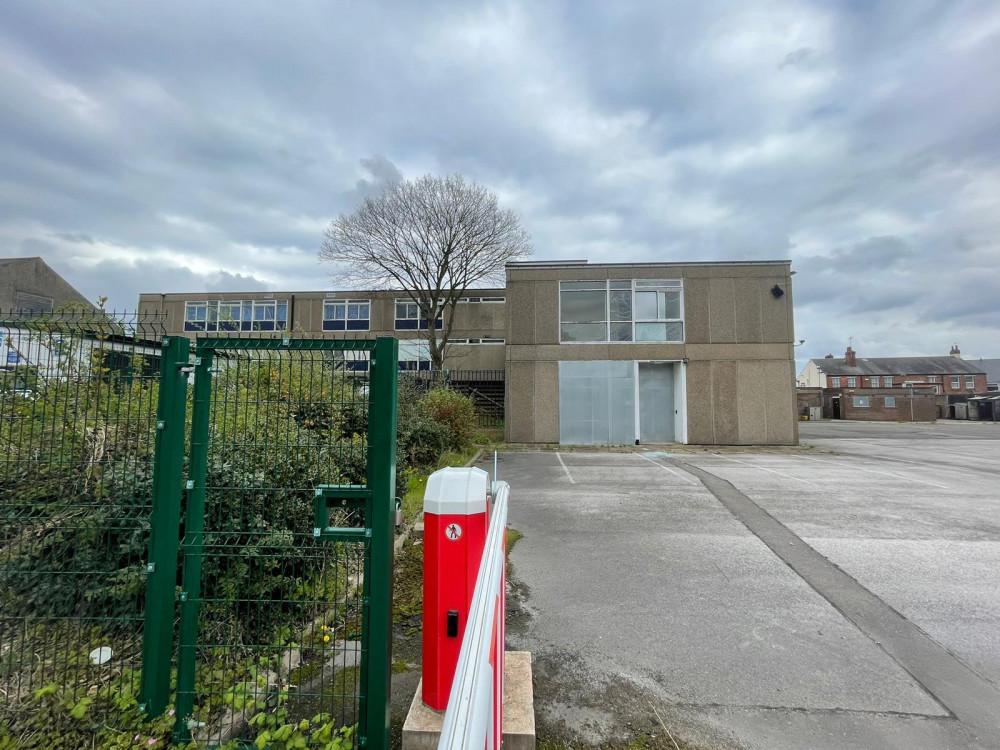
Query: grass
[[413, 501]]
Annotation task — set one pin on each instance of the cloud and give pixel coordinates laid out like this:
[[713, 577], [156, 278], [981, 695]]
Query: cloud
[[162, 147]]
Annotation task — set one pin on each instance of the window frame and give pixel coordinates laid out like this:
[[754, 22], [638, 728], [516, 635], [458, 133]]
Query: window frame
[[890, 405], [247, 320], [420, 322], [834, 382], [856, 399], [347, 323], [852, 381], [956, 382], [970, 382], [618, 285], [875, 381]]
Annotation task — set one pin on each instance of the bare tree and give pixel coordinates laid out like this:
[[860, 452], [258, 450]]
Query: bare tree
[[432, 238]]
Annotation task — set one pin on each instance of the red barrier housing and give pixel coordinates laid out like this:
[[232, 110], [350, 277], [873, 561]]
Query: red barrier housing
[[455, 525]]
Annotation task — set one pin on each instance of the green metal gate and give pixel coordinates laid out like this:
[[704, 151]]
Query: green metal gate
[[281, 514]]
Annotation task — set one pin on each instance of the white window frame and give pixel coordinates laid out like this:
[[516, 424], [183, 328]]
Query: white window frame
[[970, 382], [331, 305], [852, 382], [890, 402], [956, 383], [875, 382], [635, 285], [835, 382], [856, 399], [212, 316]]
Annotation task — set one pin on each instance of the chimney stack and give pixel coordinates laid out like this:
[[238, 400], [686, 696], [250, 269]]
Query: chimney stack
[[955, 352], [850, 358]]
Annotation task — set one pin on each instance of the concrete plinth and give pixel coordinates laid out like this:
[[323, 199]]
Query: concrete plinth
[[422, 728]]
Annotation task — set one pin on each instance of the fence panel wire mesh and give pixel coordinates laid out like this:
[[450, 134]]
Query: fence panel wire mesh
[[78, 395], [272, 623]]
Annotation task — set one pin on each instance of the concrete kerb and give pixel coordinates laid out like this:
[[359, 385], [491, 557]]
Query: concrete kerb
[[422, 728]]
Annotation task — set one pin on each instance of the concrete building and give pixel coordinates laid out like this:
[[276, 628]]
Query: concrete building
[[477, 334], [29, 285], [942, 375], [627, 353], [593, 353]]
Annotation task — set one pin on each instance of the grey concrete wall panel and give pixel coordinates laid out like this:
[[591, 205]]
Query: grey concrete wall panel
[[696, 311], [724, 403], [748, 311], [722, 310]]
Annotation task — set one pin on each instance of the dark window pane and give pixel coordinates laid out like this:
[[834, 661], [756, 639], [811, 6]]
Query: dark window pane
[[584, 332], [621, 331], [621, 305], [583, 307]]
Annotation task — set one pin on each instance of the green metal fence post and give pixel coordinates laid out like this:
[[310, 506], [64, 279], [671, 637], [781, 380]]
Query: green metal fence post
[[161, 566], [382, 483], [194, 527]]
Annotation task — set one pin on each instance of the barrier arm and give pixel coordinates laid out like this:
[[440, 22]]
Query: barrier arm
[[473, 719]]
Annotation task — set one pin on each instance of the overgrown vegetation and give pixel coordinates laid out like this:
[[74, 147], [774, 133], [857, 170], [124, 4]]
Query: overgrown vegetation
[[76, 450]]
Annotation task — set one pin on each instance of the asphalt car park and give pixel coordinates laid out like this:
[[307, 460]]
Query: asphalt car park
[[841, 597]]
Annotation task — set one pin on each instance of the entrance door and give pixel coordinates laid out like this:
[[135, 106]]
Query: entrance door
[[656, 402], [836, 407]]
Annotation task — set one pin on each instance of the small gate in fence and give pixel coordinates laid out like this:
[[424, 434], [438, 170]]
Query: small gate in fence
[[263, 606]]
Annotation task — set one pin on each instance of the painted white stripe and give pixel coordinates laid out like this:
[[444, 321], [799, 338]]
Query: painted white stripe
[[682, 476], [764, 468], [883, 473], [563, 464]]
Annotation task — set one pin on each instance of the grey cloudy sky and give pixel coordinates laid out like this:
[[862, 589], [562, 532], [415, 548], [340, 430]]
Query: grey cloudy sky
[[176, 146]]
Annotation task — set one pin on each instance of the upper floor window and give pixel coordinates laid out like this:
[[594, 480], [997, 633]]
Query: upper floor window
[[483, 300], [409, 317], [888, 381], [835, 382], [621, 310], [933, 378], [236, 315], [970, 383], [874, 381], [346, 314], [956, 382], [852, 382]]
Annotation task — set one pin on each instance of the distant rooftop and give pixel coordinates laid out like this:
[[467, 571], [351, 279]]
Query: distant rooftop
[[899, 366], [576, 263]]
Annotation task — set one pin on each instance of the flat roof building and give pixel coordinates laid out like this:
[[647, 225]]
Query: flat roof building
[[593, 353]]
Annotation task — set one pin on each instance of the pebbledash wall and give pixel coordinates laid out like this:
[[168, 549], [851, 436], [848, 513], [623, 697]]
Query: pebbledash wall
[[594, 353], [690, 352]]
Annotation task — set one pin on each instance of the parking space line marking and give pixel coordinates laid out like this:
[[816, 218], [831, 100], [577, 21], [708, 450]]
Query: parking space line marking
[[686, 479], [764, 468], [563, 464], [883, 473], [957, 688]]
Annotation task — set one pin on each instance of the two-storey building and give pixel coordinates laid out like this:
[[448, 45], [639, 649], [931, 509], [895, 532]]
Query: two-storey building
[[948, 376], [593, 353]]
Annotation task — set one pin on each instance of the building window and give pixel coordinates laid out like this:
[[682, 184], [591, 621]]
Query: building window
[[890, 402], [409, 317], [414, 355], [888, 381], [236, 315], [622, 310], [933, 378], [970, 383], [956, 382], [346, 315], [835, 382], [874, 381], [860, 402], [852, 382]]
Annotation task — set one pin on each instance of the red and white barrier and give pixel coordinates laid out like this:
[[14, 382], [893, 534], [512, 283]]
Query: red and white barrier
[[474, 716]]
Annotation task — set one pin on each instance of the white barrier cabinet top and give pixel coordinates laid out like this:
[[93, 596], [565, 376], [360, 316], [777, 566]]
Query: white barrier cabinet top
[[458, 491]]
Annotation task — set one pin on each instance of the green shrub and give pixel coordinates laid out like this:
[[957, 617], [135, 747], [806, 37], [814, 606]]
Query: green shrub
[[452, 410], [424, 443]]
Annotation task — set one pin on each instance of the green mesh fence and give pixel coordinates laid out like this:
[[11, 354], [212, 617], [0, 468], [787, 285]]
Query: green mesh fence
[[201, 526], [78, 395]]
